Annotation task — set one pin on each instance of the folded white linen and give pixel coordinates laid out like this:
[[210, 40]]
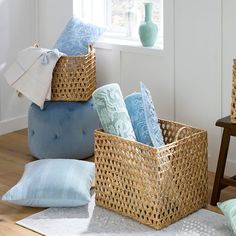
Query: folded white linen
[[31, 73]]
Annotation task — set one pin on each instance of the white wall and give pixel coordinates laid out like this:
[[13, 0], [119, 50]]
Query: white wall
[[21, 25], [52, 17], [228, 54], [205, 36], [17, 24], [198, 67]]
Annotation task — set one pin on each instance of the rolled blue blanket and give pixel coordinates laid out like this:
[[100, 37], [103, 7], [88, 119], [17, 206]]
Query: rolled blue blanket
[[112, 112], [144, 118]]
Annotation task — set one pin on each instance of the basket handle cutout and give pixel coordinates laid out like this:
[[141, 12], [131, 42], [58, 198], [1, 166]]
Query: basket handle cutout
[[177, 136]]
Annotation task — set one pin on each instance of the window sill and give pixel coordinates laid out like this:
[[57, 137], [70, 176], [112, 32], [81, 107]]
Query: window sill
[[128, 46]]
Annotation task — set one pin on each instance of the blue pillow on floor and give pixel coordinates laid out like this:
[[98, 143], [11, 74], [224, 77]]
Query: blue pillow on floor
[[53, 183], [76, 37], [144, 118]]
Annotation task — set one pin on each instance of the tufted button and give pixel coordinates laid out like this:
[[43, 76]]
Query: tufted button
[[32, 132], [71, 109], [55, 136], [83, 132]]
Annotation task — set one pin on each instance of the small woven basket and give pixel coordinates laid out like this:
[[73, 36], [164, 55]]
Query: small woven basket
[[153, 186], [74, 77], [233, 103]]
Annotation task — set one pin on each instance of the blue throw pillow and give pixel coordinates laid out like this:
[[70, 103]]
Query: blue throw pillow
[[144, 118], [53, 183], [76, 37]]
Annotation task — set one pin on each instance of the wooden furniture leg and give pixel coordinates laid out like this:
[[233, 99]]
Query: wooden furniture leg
[[220, 167]]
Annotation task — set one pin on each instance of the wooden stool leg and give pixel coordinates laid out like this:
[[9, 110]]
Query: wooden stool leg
[[220, 166]]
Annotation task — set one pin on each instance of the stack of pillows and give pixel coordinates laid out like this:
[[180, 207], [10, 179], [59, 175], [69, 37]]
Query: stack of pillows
[[55, 182]]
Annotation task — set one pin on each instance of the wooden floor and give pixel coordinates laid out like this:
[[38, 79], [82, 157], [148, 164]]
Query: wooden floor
[[14, 154]]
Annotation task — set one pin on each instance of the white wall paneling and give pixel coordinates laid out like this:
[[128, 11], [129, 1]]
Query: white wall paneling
[[17, 26], [155, 72], [228, 53], [104, 66], [198, 34], [116, 64], [155, 69], [53, 16]]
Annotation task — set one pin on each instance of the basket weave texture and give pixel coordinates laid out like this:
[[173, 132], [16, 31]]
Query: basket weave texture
[[74, 77], [153, 186], [233, 103]]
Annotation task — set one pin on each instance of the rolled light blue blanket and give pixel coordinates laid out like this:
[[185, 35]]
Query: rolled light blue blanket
[[112, 112], [144, 118]]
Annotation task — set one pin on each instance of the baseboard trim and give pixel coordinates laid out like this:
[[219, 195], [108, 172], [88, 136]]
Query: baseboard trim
[[14, 124]]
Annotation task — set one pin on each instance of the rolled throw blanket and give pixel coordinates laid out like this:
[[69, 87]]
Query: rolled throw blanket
[[144, 118], [112, 112]]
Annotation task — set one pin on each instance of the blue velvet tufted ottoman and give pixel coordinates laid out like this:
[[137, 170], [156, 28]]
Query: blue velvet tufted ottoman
[[62, 130]]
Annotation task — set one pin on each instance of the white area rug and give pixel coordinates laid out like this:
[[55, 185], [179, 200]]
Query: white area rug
[[91, 220]]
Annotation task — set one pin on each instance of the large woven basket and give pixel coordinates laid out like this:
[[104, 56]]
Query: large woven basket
[[74, 77], [153, 186], [233, 103]]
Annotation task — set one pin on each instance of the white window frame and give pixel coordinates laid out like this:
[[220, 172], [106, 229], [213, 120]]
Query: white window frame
[[118, 33]]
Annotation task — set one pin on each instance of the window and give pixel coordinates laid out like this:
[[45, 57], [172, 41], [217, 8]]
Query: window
[[121, 17]]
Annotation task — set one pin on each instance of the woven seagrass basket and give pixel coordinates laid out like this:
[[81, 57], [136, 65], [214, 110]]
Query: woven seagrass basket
[[233, 103], [155, 186], [74, 77]]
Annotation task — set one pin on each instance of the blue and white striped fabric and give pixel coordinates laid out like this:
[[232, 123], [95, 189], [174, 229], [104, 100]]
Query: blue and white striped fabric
[[53, 183]]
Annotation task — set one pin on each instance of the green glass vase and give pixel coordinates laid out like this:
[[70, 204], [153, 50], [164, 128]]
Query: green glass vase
[[148, 30]]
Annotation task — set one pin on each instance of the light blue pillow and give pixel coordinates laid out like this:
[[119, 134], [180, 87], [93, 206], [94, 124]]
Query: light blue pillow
[[109, 103], [76, 37], [229, 209], [53, 183], [144, 118]]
